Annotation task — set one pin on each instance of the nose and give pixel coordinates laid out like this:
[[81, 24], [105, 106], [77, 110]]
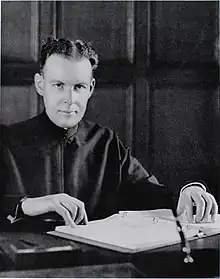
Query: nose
[[72, 96]]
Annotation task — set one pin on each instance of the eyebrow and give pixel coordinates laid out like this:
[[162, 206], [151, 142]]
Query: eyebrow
[[56, 80], [77, 82], [81, 82]]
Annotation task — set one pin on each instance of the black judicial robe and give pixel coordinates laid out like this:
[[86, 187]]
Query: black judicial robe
[[39, 158]]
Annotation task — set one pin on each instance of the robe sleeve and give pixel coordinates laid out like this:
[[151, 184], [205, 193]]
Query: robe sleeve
[[141, 189], [10, 203]]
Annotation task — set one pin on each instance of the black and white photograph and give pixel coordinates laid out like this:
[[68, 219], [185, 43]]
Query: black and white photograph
[[110, 139]]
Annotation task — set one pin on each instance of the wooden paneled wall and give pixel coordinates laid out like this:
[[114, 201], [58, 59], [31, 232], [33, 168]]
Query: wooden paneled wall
[[184, 80], [157, 83]]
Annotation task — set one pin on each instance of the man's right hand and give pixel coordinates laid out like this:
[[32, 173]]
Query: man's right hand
[[71, 209]]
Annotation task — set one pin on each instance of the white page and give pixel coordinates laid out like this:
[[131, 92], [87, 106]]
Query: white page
[[137, 231], [167, 214]]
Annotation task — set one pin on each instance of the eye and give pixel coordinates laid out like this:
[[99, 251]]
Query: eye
[[59, 85], [80, 86]]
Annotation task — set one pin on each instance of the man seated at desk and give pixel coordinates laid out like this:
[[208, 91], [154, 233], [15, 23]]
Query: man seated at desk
[[58, 162]]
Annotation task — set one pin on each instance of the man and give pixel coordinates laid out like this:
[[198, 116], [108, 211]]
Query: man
[[57, 162]]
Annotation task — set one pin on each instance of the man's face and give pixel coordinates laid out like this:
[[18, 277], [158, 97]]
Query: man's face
[[66, 86]]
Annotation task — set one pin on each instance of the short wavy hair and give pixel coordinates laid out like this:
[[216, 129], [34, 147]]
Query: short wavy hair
[[77, 49]]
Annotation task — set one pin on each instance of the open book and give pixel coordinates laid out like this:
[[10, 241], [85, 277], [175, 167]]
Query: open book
[[135, 231]]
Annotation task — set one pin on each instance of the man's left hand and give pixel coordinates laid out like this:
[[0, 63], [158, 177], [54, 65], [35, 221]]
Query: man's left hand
[[205, 203]]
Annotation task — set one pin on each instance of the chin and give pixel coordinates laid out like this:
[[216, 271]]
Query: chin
[[65, 121], [69, 123]]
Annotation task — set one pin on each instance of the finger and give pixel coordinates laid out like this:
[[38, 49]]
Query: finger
[[77, 209], [85, 219], [82, 216], [184, 200], [208, 207], [185, 206], [181, 207], [71, 207], [189, 211], [64, 212], [200, 207], [214, 210]]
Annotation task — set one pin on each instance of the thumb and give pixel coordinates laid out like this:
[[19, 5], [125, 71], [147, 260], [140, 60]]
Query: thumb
[[181, 207]]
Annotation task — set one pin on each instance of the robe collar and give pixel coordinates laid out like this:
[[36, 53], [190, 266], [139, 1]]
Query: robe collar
[[53, 132]]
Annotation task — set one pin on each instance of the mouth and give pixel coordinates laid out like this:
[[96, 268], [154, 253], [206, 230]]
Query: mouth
[[69, 112]]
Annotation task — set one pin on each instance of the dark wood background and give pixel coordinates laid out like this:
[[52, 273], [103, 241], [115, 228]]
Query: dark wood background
[[157, 83]]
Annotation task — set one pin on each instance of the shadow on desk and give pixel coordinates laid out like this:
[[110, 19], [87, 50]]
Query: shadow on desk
[[170, 264], [125, 270], [155, 265], [27, 250], [81, 260]]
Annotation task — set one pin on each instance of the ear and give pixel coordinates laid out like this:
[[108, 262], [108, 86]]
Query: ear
[[92, 86], [39, 82]]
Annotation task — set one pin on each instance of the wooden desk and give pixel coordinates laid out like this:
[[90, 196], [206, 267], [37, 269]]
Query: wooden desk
[[96, 262]]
